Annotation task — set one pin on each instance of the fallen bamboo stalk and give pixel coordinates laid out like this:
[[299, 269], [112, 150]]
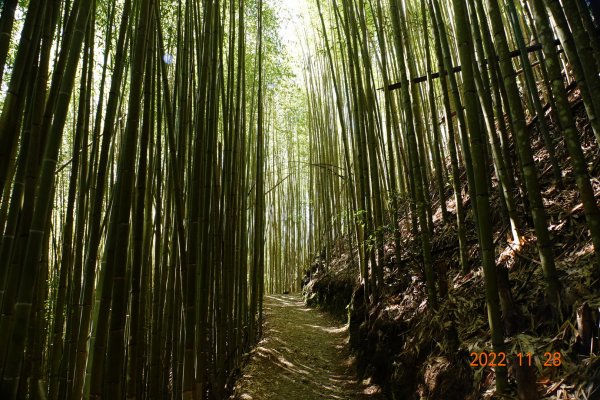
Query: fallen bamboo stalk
[[436, 75]]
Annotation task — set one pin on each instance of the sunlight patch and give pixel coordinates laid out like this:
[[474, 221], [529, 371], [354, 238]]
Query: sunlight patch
[[334, 329]]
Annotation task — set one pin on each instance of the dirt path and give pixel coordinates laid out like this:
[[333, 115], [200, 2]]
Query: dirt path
[[303, 356]]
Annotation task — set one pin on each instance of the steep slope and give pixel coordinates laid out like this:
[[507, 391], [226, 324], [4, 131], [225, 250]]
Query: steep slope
[[413, 351]]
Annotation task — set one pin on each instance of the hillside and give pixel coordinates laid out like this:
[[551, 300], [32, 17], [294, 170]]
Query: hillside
[[410, 349]]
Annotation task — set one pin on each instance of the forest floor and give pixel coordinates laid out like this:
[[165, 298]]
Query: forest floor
[[303, 355]]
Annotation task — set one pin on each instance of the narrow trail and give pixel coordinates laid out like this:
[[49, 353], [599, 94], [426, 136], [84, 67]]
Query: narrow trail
[[303, 356]]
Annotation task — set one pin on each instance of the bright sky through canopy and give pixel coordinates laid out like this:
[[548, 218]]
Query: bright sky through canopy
[[294, 20]]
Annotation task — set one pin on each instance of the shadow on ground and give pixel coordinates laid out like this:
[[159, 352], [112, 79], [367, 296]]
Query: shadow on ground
[[303, 355]]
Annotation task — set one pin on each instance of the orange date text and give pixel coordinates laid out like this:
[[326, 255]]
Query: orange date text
[[501, 359]]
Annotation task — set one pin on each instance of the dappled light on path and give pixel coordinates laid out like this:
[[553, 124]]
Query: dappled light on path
[[303, 355]]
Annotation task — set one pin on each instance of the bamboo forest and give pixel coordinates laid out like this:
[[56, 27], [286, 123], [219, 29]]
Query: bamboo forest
[[299, 199]]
